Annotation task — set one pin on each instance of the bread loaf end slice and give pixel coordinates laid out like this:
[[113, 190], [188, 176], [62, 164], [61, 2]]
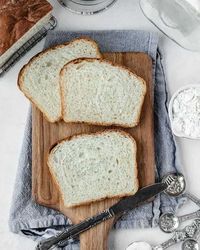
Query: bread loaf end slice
[[39, 79]]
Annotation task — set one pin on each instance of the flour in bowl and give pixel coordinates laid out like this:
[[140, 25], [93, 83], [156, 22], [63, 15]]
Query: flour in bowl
[[186, 112]]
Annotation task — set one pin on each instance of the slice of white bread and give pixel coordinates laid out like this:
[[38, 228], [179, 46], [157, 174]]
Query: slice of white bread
[[39, 79], [91, 167], [99, 92]]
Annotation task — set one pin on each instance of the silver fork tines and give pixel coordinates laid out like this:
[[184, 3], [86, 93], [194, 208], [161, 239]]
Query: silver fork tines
[[169, 179]]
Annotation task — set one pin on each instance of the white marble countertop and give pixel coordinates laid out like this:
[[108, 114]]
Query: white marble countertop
[[182, 67]]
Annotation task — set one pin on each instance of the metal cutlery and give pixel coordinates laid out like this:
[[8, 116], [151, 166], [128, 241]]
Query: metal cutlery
[[123, 206], [178, 187], [169, 222], [179, 236]]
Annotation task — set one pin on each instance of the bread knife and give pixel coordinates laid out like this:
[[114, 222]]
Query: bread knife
[[121, 207]]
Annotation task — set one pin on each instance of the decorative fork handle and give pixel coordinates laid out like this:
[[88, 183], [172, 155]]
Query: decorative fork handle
[[165, 245], [74, 230], [169, 242], [193, 198], [188, 232], [189, 216]]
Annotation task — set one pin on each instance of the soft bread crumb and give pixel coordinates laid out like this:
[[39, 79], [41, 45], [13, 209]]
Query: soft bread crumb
[[92, 167], [98, 92]]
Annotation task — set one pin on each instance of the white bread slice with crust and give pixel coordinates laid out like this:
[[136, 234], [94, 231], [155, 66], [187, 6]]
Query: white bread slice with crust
[[92, 167], [96, 91], [39, 78]]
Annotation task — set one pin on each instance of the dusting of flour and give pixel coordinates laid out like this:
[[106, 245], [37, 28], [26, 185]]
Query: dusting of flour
[[186, 112], [139, 246]]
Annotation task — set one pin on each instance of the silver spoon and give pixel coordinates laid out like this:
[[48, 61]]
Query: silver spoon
[[169, 222], [178, 186], [192, 243], [178, 236]]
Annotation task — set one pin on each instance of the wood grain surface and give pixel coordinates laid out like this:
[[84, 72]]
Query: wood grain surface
[[45, 134]]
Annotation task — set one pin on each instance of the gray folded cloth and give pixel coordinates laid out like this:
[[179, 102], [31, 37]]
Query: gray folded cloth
[[38, 222]]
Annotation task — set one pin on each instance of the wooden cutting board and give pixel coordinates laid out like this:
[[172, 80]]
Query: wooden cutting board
[[45, 134]]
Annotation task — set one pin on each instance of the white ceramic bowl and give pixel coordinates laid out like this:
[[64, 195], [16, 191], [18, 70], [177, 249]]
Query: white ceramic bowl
[[170, 108]]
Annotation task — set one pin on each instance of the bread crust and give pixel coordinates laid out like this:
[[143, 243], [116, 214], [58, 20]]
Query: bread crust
[[20, 79], [79, 60], [106, 131], [19, 17]]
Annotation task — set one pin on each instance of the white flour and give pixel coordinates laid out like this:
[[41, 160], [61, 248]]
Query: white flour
[[186, 112]]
